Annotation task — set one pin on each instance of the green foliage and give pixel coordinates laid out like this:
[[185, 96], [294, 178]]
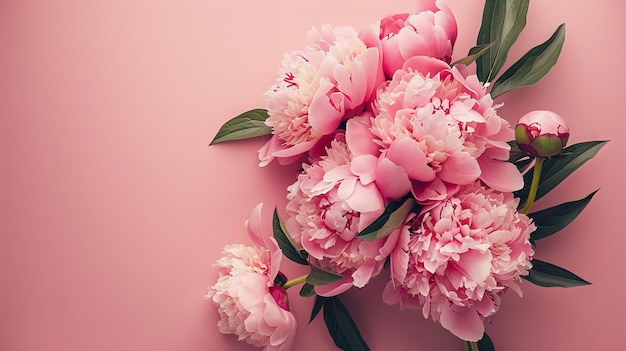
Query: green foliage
[[285, 242], [341, 327], [535, 64], [549, 275], [393, 216], [247, 125], [553, 219], [502, 22], [556, 169], [320, 276]]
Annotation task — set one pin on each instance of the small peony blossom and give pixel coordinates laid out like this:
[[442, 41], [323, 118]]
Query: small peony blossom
[[442, 129], [460, 257], [249, 302], [430, 31], [541, 133], [318, 88], [334, 199]]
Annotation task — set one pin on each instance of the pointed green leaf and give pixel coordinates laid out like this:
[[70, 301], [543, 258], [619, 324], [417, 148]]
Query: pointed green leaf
[[307, 290], [553, 219], [341, 327], [247, 125], [549, 275], [473, 54], [285, 242], [395, 213], [320, 276], [502, 22], [535, 64], [556, 169], [317, 307]]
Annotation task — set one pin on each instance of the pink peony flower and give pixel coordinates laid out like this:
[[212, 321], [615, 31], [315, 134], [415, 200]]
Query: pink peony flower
[[430, 31], [250, 305], [334, 199], [331, 80], [442, 129], [460, 256]]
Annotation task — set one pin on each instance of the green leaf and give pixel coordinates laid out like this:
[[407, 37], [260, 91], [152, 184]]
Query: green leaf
[[317, 307], [285, 242], [307, 290], [395, 213], [473, 54], [549, 275], [502, 22], [320, 276], [247, 125], [341, 327], [557, 168], [485, 344], [535, 64], [553, 219]]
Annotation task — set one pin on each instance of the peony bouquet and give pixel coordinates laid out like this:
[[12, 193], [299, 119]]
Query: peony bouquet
[[408, 172]]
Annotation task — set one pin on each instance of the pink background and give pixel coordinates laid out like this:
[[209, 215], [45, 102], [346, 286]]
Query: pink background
[[113, 207]]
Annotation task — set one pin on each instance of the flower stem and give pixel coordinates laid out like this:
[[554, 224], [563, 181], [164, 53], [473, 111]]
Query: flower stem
[[534, 184], [470, 346], [295, 281], [473, 346]]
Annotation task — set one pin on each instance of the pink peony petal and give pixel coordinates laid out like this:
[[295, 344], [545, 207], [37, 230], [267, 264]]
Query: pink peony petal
[[427, 65], [334, 289], [359, 138], [391, 179], [464, 322], [406, 153], [500, 175], [326, 109], [364, 167], [253, 226], [365, 198], [363, 274], [460, 168]]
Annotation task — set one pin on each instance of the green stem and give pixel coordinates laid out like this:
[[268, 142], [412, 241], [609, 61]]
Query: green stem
[[534, 184], [295, 281], [473, 346]]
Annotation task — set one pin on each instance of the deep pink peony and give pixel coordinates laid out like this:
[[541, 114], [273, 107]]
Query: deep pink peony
[[250, 305], [430, 31], [442, 129], [456, 259], [331, 80], [333, 199]]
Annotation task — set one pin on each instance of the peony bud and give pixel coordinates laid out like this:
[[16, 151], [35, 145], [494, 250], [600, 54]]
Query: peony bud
[[541, 133]]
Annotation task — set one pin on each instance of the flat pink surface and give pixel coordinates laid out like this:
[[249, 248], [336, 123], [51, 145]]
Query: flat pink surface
[[113, 208]]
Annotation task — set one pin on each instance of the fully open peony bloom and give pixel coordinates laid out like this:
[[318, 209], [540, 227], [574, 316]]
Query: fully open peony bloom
[[331, 80], [442, 129], [430, 31], [250, 305], [459, 257], [334, 199]]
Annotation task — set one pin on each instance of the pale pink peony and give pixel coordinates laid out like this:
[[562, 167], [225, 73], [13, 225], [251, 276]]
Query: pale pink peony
[[442, 129], [250, 305], [334, 199], [430, 31], [456, 259], [331, 80]]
